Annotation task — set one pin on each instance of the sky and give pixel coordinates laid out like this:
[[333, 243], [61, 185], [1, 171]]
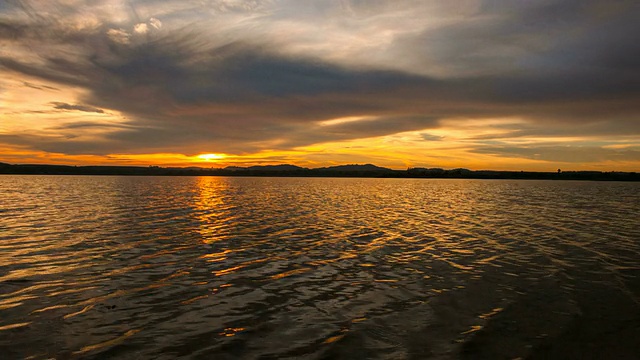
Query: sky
[[479, 84]]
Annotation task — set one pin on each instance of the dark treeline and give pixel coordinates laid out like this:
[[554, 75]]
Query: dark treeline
[[367, 170]]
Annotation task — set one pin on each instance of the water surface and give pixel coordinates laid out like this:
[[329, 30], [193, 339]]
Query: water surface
[[212, 267]]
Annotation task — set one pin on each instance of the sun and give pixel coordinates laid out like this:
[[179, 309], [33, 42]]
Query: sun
[[211, 157]]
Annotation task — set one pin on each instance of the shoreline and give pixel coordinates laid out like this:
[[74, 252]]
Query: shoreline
[[346, 171]]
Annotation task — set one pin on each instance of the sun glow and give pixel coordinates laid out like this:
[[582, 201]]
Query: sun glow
[[211, 157]]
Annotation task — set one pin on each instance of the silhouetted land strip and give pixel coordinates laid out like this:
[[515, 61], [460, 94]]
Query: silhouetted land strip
[[367, 170]]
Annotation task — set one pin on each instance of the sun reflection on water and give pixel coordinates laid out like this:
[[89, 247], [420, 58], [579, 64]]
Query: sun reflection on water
[[212, 210]]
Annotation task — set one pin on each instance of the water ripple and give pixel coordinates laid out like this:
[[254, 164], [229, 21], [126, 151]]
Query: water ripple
[[317, 268]]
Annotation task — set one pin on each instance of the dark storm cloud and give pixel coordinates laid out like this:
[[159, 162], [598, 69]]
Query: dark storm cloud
[[550, 62]]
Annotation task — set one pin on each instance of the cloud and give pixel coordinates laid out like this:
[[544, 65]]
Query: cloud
[[569, 154], [85, 108], [429, 137], [88, 125], [39, 87], [240, 77]]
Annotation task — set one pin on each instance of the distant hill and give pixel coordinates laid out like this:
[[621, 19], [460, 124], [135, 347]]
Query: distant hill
[[196, 168], [353, 170], [355, 167], [289, 167], [283, 167], [234, 168]]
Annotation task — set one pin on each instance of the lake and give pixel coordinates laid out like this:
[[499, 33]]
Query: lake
[[317, 268]]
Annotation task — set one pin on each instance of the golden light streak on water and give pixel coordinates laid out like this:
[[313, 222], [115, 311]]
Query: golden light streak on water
[[13, 326], [107, 343]]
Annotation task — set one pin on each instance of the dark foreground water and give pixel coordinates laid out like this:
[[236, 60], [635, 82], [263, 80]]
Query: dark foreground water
[[247, 268]]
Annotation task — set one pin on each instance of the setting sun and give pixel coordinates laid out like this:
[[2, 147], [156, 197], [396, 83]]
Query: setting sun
[[211, 157]]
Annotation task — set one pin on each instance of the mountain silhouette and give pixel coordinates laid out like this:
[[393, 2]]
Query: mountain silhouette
[[355, 167], [352, 170]]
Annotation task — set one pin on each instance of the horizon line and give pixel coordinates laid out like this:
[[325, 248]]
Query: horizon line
[[311, 168]]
